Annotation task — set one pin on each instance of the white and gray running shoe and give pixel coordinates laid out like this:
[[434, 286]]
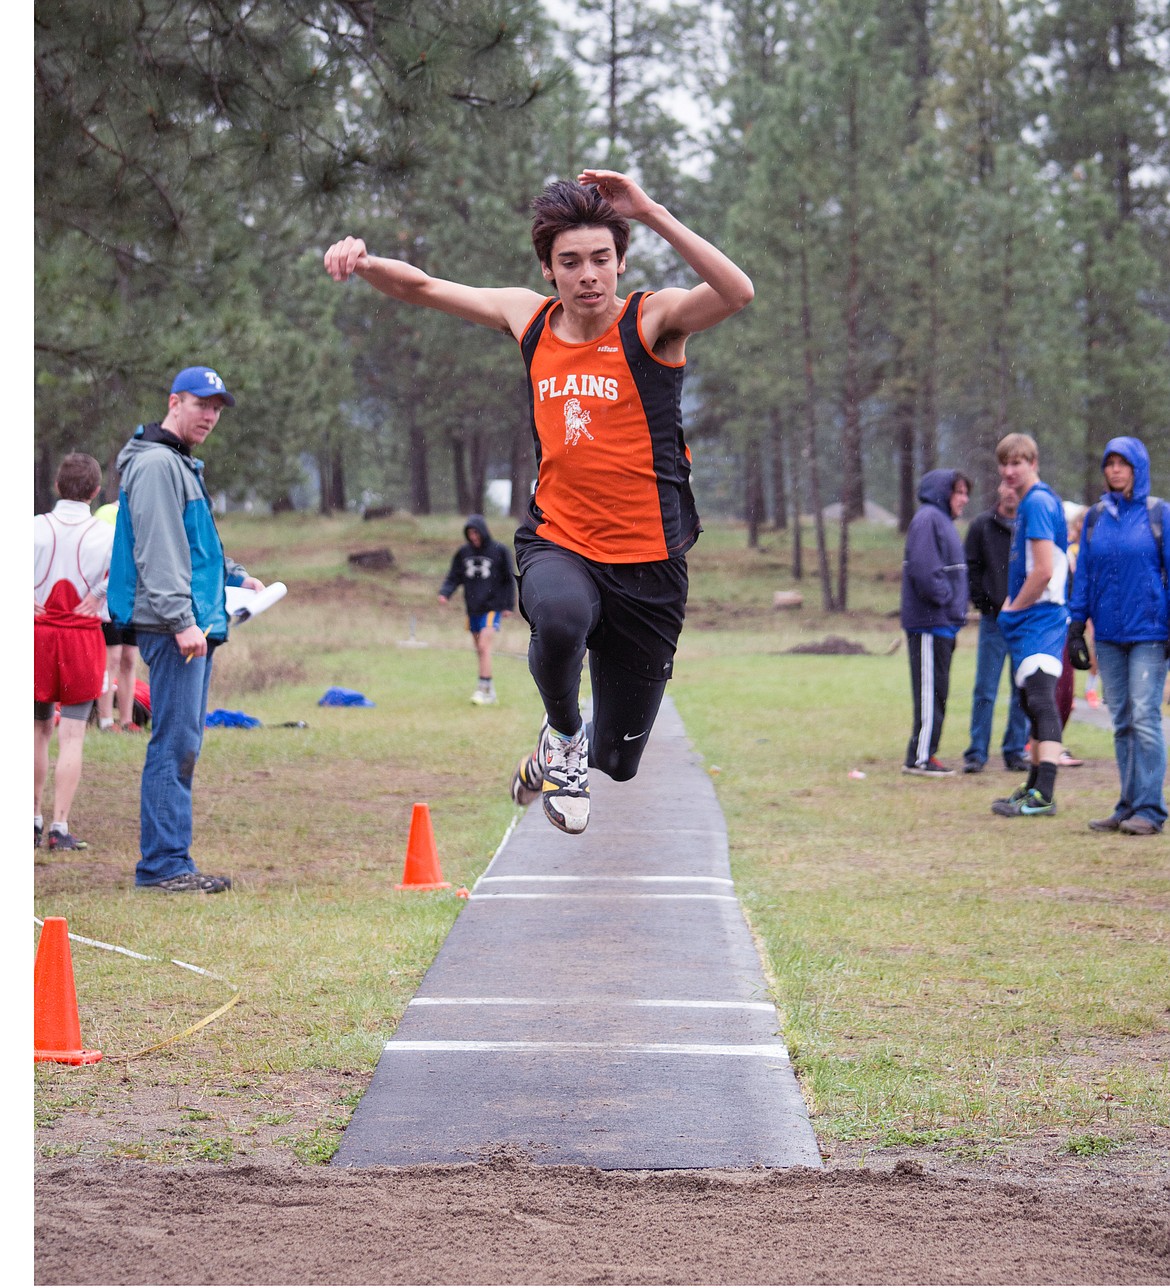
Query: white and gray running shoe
[[564, 765]]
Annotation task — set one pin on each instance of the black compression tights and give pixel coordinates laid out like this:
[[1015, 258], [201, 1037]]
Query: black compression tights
[[1038, 698], [563, 608]]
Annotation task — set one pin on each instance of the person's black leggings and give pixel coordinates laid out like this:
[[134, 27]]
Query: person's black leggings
[[628, 618], [1038, 698]]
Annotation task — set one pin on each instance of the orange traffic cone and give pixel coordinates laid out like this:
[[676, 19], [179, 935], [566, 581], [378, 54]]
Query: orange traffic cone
[[422, 871], [56, 1027]]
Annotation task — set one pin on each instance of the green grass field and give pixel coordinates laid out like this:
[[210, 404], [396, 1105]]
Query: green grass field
[[946, 978]]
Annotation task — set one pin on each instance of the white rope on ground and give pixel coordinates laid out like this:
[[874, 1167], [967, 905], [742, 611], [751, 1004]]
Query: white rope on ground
[[174, 961]]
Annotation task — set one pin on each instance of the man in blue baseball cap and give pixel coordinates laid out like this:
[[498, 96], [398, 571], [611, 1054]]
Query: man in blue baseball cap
[[168, 571], [202, 382]]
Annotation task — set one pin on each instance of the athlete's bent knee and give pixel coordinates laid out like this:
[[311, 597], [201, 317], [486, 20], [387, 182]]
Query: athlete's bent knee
[[619, 761]]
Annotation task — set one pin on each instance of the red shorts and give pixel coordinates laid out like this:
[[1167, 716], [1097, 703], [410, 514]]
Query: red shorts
[[69, 664]]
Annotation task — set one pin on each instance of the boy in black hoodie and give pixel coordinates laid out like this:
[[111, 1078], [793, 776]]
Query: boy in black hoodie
[[483, 567]]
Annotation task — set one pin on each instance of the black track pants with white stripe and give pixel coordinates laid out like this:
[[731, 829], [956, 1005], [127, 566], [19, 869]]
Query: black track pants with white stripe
[[930, 677]]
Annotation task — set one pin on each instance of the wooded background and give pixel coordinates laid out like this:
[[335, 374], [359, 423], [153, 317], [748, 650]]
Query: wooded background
[[954, 211]]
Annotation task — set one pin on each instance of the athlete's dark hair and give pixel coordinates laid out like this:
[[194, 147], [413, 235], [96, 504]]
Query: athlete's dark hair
[[78, 477], [564, 205]]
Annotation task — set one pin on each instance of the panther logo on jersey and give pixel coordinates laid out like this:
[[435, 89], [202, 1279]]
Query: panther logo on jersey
[[575, 421]]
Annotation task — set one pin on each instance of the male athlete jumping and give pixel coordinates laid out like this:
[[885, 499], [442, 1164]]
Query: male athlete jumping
[[601, 554]]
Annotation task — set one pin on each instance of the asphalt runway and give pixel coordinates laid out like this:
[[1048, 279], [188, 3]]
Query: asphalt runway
[[599, 1001]]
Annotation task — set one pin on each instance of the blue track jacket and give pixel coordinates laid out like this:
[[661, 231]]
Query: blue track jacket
[[168, 569], [1121, 574]]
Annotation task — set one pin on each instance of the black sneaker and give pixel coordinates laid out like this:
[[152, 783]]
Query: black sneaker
[[1030, 803], [38, 835], [932, 768], [65, 841], [527, 778], [1017, 795], [565, 786], [192, 883], [972, 765], [1017, 764]]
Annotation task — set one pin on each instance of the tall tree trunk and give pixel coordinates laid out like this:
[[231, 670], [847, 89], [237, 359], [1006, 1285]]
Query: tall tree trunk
[[810, 422], [928, 420], [794, 476], [843, 565], [463, 501], [852, 478], [1095, 414], [753, 492], [521, 469], [779, 491], [44, 477], [904, 437], [1123, 165], [420, 478], [331, 465], [477, 482], [1001, 345]]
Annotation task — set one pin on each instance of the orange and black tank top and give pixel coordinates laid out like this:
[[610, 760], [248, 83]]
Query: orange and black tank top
[[613, 472]]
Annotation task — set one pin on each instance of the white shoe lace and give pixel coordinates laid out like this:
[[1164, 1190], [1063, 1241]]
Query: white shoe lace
[[568, 759]]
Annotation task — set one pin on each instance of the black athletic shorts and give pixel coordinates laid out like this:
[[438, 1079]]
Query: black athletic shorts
[[114, 634], [642, 605]]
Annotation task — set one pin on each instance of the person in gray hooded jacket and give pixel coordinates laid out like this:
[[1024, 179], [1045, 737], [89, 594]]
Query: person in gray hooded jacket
[[168, 571], [934, 608]]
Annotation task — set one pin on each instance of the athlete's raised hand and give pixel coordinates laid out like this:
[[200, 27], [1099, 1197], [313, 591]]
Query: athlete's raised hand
[[622, 193], [345, 257]]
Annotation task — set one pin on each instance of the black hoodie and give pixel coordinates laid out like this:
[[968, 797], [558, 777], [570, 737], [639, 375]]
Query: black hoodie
[[485, 574]]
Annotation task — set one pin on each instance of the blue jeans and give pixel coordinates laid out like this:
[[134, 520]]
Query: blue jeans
[[1133, 676], [993, 652], [178, 709]]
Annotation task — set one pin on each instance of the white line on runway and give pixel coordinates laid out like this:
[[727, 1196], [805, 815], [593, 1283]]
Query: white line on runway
[[597, 894], [774, 1051], [589, 1001], [561, 877]]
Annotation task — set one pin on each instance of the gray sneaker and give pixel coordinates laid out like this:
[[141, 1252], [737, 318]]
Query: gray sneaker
[[192, 883]]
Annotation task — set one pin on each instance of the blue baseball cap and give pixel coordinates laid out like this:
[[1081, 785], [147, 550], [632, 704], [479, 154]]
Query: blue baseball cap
[[203, 382]]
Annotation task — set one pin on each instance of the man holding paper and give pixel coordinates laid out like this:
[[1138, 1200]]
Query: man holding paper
[[168, 575]]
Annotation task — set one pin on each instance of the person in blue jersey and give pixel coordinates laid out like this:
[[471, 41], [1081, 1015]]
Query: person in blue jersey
[[168, 571], [1034, 620], [1121, 587], [934, 609]]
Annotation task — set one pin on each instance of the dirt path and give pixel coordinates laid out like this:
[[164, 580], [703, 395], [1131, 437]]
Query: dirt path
[[509, 1222]]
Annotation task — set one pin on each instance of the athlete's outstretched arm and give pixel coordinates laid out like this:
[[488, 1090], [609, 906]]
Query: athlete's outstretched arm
[[725, 288], [502, 308]]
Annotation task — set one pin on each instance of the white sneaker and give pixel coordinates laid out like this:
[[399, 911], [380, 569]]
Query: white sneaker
[[564, 764], [483, 697]]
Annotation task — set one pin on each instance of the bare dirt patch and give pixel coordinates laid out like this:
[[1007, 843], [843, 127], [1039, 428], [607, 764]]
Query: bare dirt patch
[[507, 1221], [123, 1198]]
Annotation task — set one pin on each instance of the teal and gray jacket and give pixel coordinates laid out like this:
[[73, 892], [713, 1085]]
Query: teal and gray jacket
[[168, 569]]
